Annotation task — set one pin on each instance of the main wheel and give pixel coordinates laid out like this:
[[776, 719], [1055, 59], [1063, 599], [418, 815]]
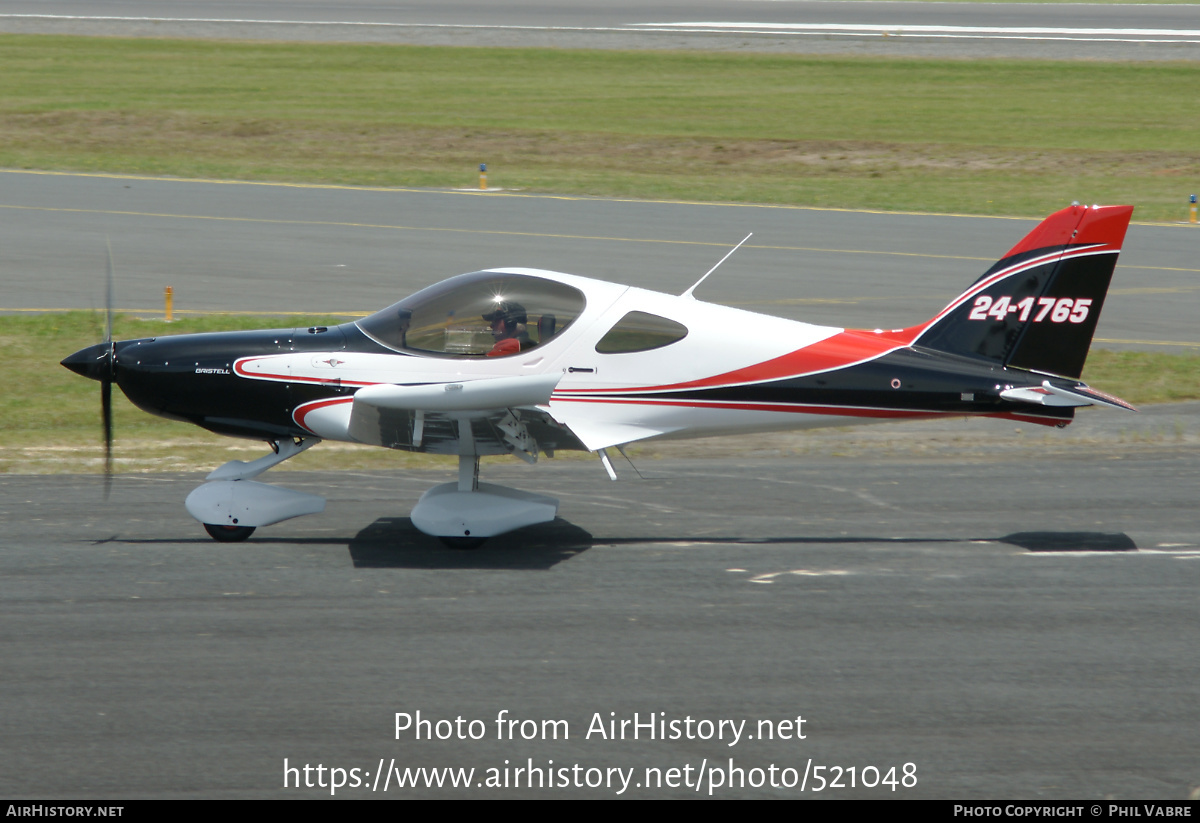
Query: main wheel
[[463, 542], [228, 534]]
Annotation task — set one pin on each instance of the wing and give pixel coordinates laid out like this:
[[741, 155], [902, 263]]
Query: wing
[[499, 415]]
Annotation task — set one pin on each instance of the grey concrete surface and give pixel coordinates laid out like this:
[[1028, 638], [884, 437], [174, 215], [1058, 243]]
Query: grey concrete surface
[[281, 248], [1075, 31], [1015, 627]]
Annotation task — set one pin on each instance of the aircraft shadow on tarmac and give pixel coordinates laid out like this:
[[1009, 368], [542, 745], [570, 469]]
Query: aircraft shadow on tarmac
[[393, 542]]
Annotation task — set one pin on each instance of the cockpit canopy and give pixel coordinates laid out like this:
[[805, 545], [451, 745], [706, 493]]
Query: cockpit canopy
[[456, 317]]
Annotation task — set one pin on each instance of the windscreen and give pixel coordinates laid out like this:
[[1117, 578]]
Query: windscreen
[[477, 315]]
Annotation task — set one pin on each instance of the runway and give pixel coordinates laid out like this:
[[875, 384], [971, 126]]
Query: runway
[[311, 249], [914, 29], [1020, 627]]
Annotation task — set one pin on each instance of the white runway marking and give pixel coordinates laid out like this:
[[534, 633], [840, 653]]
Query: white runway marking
[[953, 32], [1103, 35], [770, 576]]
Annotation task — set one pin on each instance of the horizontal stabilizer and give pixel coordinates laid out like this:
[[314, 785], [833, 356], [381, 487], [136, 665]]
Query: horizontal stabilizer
[[1096, 398], [1050, 395]]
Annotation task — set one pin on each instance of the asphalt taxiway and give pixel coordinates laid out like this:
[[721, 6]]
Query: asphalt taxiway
[[312, 249], [1021, 627]]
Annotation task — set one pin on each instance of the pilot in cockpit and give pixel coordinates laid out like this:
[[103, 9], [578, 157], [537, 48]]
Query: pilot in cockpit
[[403, 323], [508, 329]]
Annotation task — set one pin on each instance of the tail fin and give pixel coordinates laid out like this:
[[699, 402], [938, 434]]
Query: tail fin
[[1037, 308]]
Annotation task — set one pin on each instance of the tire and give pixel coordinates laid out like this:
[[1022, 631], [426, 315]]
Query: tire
[[228, 534], [463, 542]]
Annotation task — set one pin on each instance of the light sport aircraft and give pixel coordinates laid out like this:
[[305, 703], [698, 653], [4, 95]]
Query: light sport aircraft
[[527, 362]]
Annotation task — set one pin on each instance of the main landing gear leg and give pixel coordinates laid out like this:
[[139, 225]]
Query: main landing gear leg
[[464, 514], [468, 481]]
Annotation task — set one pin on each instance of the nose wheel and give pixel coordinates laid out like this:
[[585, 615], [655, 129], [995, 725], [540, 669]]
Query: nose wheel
[[228, 534]]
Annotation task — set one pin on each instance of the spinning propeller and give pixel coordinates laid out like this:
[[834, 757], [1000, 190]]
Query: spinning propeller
[[99, 362]]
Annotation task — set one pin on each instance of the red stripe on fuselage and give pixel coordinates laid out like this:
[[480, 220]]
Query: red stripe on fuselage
[[846, 348]]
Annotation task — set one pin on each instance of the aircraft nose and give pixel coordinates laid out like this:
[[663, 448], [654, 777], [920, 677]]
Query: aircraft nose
[[88, 362]]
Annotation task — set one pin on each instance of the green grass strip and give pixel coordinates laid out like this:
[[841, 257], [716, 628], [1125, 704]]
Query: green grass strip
[[977, 136]]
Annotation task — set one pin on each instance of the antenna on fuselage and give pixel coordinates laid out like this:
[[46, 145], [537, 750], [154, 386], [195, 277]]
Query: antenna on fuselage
[[688, 293]]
